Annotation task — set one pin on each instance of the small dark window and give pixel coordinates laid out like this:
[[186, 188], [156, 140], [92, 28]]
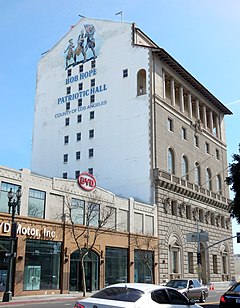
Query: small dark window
[[78, 155], [65, 158], [91, 133], [66, 139], [77, 173], [90, 170], [78, 136], [67, 105], [79, 118], [125, 73], [69, 72], [67, 121], [68, 90], [93, 64], [80, 86], [170, 125], [90, 153], [92, 82], [217, 154], [92, 98], [79, 102], [207, 148], [184, 133], [80, 68], [196, 141], [91, 115], [65, 175]]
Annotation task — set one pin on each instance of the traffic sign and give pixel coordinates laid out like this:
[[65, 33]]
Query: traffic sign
[[193, 237]]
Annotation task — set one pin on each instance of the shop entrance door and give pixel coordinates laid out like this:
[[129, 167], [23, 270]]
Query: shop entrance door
[[91, 265]]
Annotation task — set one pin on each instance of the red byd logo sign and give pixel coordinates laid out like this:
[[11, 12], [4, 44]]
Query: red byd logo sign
[[87, 181]]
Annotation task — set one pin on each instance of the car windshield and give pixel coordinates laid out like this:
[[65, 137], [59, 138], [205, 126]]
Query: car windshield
[[119, 294], [177, 284]]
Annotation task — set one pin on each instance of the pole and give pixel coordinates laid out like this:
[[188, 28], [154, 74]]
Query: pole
[[7, 296]]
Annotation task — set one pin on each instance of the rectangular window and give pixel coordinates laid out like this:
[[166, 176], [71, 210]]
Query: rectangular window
[[67, 121], [215, 267], [138, 223], [78, 136], [170, 125], [80, 86], [201, 215], [5, 187], [80, 102], [68, 90], [5, 248], [42, 265], [78, 155], [66, 139], [36, 203], [125, 73], [91, 115], [212, 219], [123, 220], [65, 158], [79, 118], [69, 72], [93, 82], [190, 263], [174, 207], [65, 175], [207, 147], [184, 133], [90, 170], [196, 141], [93, 64], [67, 105], [80, 68], [92, 98], [91, 133], [90, 153], [143, 266], [77, 211], [77, 173], [149, 225], [188, 211], [92, 215], [217, 154]]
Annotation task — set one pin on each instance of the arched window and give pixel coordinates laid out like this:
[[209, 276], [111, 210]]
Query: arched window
[[208, 179], [219, 184], [170, 166], [175, 257], [197, 177], [141, 82], [184, 168]]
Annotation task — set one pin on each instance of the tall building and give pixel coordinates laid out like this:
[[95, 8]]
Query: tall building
[[110, 101]]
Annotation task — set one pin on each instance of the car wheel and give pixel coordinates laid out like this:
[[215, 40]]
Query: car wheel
[[203, 297]]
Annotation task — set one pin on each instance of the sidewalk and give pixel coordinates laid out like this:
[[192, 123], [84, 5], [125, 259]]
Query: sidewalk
[[43, 298]]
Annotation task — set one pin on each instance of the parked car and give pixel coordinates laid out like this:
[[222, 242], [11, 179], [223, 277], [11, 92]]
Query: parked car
[[191, 288], [231, 298], [130, 295]]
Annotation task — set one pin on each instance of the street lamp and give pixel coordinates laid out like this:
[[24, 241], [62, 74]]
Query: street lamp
[[12, 205]]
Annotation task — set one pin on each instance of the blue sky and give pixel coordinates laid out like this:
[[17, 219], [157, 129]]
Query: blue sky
[[203, 36]]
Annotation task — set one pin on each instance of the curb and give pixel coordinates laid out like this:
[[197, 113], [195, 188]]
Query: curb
[[38, 300]]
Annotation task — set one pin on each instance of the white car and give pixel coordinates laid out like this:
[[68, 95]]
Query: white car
[[136, 295]]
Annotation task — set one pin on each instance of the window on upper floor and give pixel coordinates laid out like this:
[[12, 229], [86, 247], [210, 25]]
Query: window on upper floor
[[196, 141], [93, 64], [93, 82], [215, 264], [77, 211], [65, 175], [68, 90], [219, 184], [80, 102], [78, 155], [90, 170], [66, 139], [184, 168], [36, 203], [217, 154], [207, 147], [208, 179], [125, 73], [77, 173], [80, 86], [92, 98], [90, 153], [69, 72], [91, 115], [197, 174], [141, 82], [78, 136], [65, 158], [5, 188], [67, 105], [80, 68], [79, 118], [170, 161], [170, 124], [92, 214], [91, 133], [184, 133], [67, 121]]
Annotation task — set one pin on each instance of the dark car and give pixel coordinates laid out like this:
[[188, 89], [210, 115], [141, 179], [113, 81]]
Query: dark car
[[231, 298], [191, 288]]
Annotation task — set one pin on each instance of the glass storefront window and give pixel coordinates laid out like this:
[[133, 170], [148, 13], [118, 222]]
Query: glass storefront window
[[36, 203], [42, 265], [116, 269], [143, 266], [4, 248], [5, 187]]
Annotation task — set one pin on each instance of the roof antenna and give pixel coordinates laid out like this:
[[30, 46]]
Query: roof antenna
[[120, 13], [82, 16]]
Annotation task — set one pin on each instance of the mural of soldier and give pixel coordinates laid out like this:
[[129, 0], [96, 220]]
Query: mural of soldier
[[70, 52], [80, 47], [90, 30]]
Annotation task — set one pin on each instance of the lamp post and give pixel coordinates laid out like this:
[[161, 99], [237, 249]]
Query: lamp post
[[12, 205]]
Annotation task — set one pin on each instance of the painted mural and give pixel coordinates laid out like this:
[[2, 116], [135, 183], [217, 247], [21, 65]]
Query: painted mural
[[83, 50]]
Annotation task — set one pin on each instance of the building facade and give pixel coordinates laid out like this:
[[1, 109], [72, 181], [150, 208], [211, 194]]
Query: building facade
[[52, 215], [110, 101]]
